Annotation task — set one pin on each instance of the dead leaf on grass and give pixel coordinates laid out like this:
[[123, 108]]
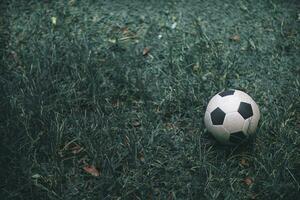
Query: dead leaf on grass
[[171, 126], [91, 170], [141, 156], [115, 103], [125, 30], [146, 51], [248, 181], [244, 162], [235, 38]]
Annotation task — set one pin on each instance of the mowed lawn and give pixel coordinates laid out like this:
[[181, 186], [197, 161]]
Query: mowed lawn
[[106, 99]]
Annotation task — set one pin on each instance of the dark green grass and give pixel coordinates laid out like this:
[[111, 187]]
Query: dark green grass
[[84, 81]]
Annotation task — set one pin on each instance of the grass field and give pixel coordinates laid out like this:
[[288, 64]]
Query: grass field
[[122, 86]]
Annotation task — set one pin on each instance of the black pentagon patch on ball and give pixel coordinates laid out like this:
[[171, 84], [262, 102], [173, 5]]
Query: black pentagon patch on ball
[[245, 110], [237, 137], [217, 116], [226, 93]]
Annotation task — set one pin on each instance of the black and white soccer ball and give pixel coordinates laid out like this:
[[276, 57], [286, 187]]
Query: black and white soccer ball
[[231, 116]]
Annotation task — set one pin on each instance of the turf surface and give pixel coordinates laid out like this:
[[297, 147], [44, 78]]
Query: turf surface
[[77, 91]]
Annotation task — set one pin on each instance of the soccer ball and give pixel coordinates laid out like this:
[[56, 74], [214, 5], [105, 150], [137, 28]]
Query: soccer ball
[[231, 116]]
